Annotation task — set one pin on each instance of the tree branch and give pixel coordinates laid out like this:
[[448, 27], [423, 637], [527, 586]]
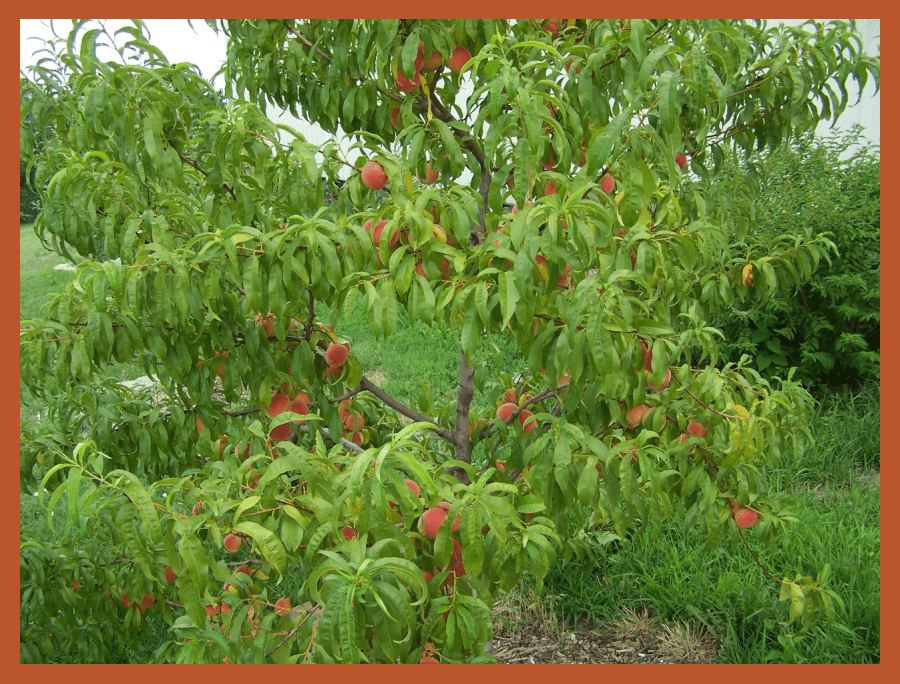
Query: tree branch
[[403, 409], [366, 385], [461, 439], [306, 41], [348, 445], [289, 634]]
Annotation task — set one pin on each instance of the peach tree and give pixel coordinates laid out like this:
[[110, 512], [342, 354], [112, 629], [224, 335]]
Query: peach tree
[[553, 183]]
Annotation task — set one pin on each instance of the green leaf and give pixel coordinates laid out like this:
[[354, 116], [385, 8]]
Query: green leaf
[[509, 296], [451, 146], [649, 64], [270, 545], [74, 489], [189, 596], [798, 602], [603, 143], [668, 110], [286, 463], [588, 481], [152, 135], [194, 557], [689, 486], [139, 496], [481, 300], [646, 326], [637, 185], [246, 504]]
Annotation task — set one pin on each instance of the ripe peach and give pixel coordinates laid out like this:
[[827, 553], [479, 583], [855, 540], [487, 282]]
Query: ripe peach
[[337, 354], [505, 411], [663, 384], [433, 62], [282, 606], [267, 321], [696, 428], [746, 517], [634, 417], [232, 543], [433, 518], [374, 175], [431, 176], [407, 86], [281, 433], [530, 425], [458, 59], [220, 364], [278, 404], [552, 27], [608, 184]]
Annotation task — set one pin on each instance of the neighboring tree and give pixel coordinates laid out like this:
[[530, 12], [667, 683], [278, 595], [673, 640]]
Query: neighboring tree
[[295, 507], [829, 328]]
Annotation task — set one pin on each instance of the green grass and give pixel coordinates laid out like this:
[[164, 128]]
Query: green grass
[[838, 506], [38, 279], [417, 352], [732, 597]]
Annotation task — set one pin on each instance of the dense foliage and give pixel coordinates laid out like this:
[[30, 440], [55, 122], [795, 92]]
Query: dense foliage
[[208, 255], [829, 328], [29, 201]]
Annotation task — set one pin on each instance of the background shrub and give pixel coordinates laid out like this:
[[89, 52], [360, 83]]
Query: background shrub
[[829, 328]]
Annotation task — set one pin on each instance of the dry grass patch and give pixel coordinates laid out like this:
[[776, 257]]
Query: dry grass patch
[[527, 631]]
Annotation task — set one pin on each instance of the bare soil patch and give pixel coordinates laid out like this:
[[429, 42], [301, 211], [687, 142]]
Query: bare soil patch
[[528, 632]]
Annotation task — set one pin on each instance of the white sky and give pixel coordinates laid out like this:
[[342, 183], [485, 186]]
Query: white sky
[[203, 47], [200, 46]]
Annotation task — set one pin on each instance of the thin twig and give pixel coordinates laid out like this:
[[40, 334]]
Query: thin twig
[[762, 567], [707, 406], [306, 41], [290, 634]]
